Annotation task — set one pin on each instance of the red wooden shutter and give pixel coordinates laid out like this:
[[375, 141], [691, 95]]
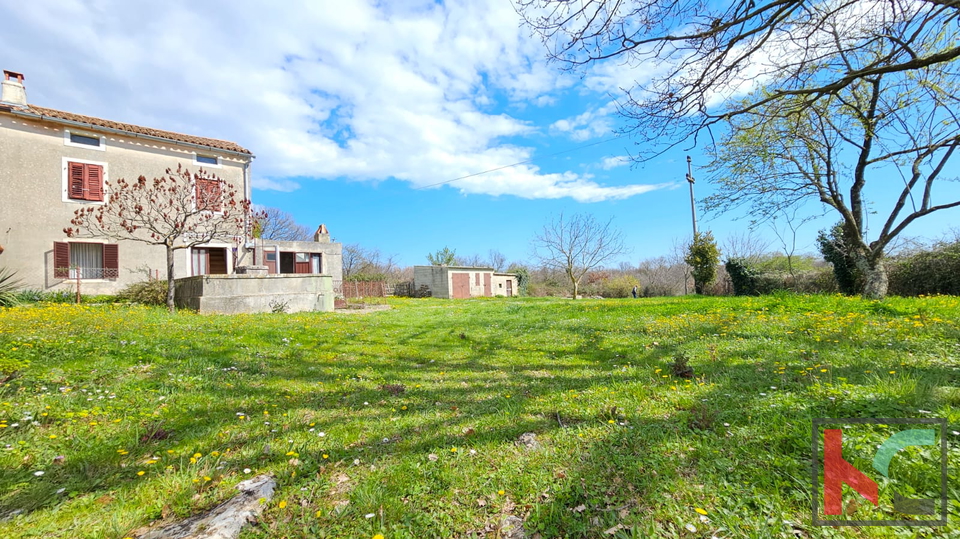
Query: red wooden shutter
[[61, 259], [111, 261], [76, 179], [94, 177], [213, 195]]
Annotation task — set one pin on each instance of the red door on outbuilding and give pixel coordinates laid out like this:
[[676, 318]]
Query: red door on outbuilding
[[486, 284], [461, 285]]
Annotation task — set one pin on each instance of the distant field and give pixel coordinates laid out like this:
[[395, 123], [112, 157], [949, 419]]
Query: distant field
[[405, 422]]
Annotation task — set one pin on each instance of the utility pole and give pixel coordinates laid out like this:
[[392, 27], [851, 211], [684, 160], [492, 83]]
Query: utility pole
[[693, 207]]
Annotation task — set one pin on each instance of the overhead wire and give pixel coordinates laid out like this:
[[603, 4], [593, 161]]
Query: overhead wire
[[520, 163]]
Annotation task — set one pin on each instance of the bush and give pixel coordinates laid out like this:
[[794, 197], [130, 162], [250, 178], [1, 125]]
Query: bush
[[9, 285], [743, 276], [620, 286], [152, 292], [936, 271]]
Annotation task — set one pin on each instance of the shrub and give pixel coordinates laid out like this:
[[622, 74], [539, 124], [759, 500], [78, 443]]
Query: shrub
[[703, 257], [9, 285], [620, 286], [935, 271], [151, 292], [743, 276], [834, 250]]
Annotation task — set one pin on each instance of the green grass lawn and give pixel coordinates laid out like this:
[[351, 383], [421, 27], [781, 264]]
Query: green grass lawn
[[405, 422]]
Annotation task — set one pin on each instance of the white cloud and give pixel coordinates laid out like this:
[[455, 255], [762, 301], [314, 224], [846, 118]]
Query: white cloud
[[609, 163], [361, 90], [595, 122]]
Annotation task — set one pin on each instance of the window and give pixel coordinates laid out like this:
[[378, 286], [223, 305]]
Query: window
[[207, 160], [84, 181], [84, 140], [90, 141], [208, 195], [77, 260]]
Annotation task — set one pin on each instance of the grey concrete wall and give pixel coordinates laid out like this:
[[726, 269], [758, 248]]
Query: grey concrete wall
[[435, 278], [33, 212], [234, 294]]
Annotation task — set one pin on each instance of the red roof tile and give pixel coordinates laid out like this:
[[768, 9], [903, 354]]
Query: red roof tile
[[135, 129]]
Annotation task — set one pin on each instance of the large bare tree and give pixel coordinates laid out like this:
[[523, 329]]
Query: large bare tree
[[883, 130], [695, 54], [276, 224], [178, 211], [577, 244]]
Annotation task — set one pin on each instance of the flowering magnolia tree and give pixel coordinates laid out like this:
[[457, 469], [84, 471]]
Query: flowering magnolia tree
[[178, 210]]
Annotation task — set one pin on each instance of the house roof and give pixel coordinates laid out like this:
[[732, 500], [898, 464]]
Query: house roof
[[94, 123]]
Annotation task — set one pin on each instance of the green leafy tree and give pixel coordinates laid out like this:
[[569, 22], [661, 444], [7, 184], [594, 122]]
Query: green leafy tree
[[834, 250], [703, 257], [443, 257]]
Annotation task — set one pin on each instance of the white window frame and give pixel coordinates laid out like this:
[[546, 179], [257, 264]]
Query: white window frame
[[65, 182], [67, 142], [208, 165]]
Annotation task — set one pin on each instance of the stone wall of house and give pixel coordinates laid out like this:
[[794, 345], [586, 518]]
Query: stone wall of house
[[34, 207]]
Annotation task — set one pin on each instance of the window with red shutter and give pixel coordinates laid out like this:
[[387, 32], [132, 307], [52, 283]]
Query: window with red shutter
[[208, 195], [85, 182], [61, 260], [94, 183], [111, 261], [76, 178]]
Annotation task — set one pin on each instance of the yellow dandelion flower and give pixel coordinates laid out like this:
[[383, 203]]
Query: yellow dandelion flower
[[283, 504], [141, 472], [701, 511]]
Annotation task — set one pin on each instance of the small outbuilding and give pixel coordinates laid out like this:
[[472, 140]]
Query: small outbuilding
[[459, 282]]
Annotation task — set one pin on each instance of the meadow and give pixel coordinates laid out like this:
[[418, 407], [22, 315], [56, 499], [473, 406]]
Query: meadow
[[674, 417]]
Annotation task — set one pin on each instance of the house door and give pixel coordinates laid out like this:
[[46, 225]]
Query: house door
[[271, 261], [461, 285], [486, 285], [509, 288], [287, 264], [209, 261]]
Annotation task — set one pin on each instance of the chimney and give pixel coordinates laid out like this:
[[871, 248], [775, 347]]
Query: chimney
[[322, 235], [13, 91]]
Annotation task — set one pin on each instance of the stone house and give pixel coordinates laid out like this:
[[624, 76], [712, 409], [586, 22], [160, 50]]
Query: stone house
[[456, 282], [53, 163]]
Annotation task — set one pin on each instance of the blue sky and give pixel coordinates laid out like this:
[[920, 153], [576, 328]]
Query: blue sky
[[354, 108]]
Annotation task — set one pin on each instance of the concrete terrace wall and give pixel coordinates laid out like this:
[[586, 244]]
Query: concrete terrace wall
[[239, 293]]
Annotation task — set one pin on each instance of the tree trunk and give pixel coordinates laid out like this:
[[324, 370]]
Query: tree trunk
[[875, 281], [874, 273], [576, 288], [171, 306]]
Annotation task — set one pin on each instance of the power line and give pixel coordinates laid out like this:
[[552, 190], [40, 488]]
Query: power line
[[519, 163]]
